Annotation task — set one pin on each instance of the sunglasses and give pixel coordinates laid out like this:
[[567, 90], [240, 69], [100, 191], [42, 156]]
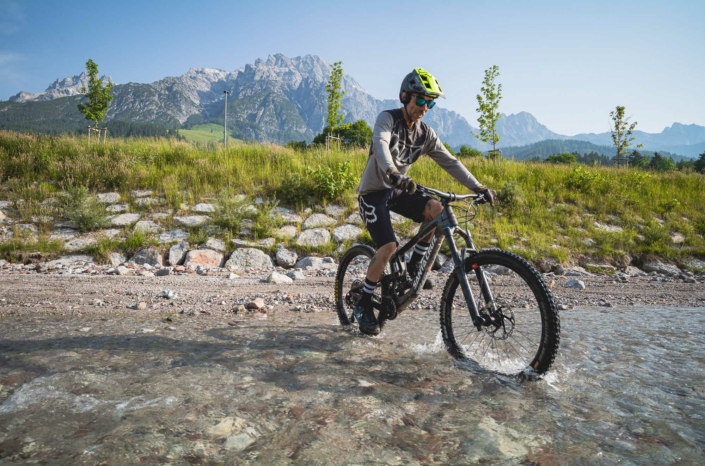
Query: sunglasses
[[420, 101]]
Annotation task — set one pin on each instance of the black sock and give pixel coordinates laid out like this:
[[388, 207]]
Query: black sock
[[367, 291], [419, 250]]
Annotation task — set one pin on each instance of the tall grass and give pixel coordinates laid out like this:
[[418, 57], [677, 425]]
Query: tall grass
[[547, 209]]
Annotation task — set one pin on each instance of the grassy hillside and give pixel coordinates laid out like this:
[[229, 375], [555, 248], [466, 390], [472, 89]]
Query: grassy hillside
[[545, 209], [203, 134]]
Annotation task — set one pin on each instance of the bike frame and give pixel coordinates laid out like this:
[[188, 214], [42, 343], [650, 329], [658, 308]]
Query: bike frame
[[445, 226]]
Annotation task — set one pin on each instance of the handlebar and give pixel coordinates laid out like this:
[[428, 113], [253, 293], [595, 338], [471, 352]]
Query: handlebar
[[448, 195]]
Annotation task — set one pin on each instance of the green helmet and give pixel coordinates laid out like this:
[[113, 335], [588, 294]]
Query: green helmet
[[420, 81]]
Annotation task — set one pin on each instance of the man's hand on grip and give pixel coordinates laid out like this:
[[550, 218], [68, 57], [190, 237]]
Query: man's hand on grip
[[403, 182], [489, 195]]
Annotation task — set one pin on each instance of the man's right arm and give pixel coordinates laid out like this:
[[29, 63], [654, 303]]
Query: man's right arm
[[381, 138]]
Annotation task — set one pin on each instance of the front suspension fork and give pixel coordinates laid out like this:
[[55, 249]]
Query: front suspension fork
[[459, 261]]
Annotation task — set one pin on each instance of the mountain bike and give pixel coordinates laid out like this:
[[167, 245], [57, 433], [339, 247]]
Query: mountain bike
[[504, 318]]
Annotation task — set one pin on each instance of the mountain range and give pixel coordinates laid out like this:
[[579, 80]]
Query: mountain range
[[282, 99]]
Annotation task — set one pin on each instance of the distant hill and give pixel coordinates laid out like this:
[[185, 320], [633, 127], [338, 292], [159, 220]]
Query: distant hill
[[543, 149]]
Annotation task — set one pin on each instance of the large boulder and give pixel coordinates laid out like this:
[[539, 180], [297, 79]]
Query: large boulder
[[325, 263], [318, 220], [655, 265], [203, 208], [205, 257], [147, 256], [286, 232], [346, 232], [108, 198], [123, 220], [314, 237], [147, 226], [78, 244], [177, 253], [286, 215], [249, 258], [191, 221], [286, 258], [174, 235], [278, 279]]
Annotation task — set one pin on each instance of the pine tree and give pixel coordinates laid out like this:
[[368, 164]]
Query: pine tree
[[335, 96], [98, 96], [489, 107]]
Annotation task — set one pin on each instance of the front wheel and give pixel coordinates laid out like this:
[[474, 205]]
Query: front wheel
[[523, 328]]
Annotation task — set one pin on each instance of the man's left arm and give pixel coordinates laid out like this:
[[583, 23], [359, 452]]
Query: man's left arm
[[438, 152]]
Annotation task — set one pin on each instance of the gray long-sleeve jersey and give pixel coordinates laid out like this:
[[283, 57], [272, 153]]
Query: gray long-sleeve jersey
[[396, 146]]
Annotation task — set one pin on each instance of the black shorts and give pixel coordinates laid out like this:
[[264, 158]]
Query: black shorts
[[375, 208]]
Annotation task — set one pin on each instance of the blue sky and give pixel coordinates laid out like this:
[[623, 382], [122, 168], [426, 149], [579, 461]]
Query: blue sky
[[567, 63]]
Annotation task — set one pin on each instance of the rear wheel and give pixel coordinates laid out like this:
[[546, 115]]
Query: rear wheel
[[524, 332], [349, 282]]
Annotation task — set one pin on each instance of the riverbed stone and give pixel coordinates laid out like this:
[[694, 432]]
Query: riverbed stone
[[2, 216], [346, 232], [191, 221], [204, 257], [693, 263], [577, 284], [658, 266], [286, 232], [146, 226], [285, 258], [147, 256], [296, 275], [203, 207], [249, 258], [314, 237], [123, 220], [108, 198], [177, 253], [174, 235], [317, 263], [317, 221], [278, 279], [116, 259]]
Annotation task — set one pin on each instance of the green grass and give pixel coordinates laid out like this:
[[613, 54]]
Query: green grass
[[204, 134], [547, 210]]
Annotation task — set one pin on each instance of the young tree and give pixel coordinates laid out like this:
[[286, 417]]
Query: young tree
[[335, 96], [488, 102], [98, 95], [621, 134]]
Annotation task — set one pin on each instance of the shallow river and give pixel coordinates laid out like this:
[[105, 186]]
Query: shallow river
[[628, 387]]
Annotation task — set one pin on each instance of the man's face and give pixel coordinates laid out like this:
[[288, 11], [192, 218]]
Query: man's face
[[415, 111]]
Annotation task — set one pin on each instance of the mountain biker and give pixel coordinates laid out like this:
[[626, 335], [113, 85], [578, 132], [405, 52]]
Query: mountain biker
[[399, 139]]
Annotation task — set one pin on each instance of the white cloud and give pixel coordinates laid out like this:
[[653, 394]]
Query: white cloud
[[12, 17]]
